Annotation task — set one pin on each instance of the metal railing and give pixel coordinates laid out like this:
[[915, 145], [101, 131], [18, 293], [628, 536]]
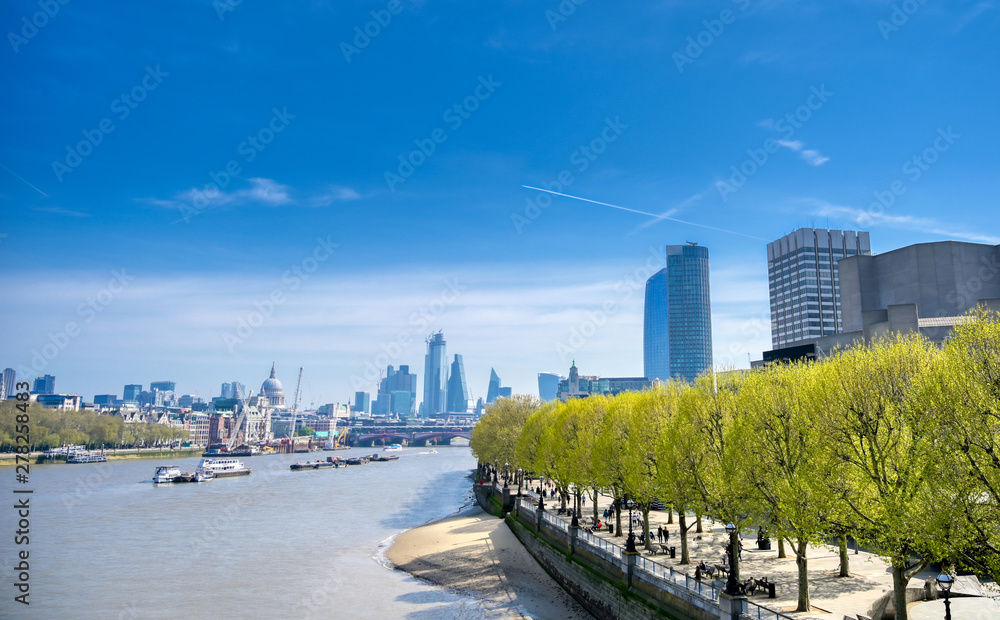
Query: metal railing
[[556, 521], [527, 508], [668, 574], [749, 609], [599, 543]]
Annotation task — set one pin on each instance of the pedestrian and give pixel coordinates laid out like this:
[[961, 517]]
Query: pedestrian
[[659, 533], [666, 535]]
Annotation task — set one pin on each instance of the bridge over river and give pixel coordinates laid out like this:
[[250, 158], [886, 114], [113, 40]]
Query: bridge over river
[[406, 435]]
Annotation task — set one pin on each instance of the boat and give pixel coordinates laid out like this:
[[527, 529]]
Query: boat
[[393, 448], [88, 458], [336, 461], [357, 460], [203, 475], [166, 473], [224, 467], [237, 451], [311, 465], [386, 457]]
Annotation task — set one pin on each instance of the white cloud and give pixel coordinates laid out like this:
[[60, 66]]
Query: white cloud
[[335, 194], [866, 218], [811, 156]]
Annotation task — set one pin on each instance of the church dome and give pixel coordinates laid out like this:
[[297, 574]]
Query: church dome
[[271, 386]]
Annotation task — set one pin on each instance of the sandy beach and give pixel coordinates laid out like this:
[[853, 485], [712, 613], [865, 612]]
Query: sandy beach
[[476, 553]]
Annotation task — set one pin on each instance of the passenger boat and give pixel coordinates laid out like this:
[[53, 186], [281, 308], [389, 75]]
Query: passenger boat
[[393, 448], [311, 465], [203, 475], [88, 458], [166, 473], [225, 467]]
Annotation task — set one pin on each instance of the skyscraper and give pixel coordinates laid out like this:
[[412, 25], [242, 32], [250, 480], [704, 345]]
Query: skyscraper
[[9, 383], [804, 282], [677, 327], [435, 376], [458, 390], [132, 392], [45, 385], [163, 386], [362, 402], [494, 389], [387, 399], [548, 385]]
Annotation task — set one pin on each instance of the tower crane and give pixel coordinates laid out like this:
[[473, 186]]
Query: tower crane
[[295, 404], [243, 405]]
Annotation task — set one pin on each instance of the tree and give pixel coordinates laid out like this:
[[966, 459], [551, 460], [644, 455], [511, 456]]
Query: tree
[[680, 453], [305, 431], [495, 436]]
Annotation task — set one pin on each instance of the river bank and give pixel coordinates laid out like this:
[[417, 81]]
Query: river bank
[[476, 553], [8, 459]]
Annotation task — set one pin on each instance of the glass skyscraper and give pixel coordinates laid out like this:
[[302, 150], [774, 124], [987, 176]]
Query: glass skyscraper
[[804, 283], [548, 385], [458, 391], [677, 322], [493, 391], [435, 376]]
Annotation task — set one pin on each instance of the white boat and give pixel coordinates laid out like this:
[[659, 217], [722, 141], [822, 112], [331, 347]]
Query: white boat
[[88, 458], [393, 448], [166, 473], [224, 467], [203, 475]]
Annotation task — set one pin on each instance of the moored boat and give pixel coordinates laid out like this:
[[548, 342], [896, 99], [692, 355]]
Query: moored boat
[[393, 448], [311, 465], [88, 458], [224, 467], [166, 474], [203, 475]]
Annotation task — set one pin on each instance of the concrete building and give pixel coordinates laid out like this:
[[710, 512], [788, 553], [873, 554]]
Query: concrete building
[[925, 288], [44, 385], [105, 400], [580, 386], [8, 387], [163, 386], [677, 321], [435, 376], [804, 284]]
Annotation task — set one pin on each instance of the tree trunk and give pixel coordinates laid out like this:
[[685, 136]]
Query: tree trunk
[[594, 496], [670, 515], [698, 529], [618, 518], [800, 559], [845, 565], [645, 526], [781, 548], [682, 520], [899, 589]]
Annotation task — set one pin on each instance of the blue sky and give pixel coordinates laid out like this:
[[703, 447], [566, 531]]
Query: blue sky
[[368, 188]]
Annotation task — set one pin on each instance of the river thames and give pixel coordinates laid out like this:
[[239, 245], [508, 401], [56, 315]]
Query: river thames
[[105, 542]]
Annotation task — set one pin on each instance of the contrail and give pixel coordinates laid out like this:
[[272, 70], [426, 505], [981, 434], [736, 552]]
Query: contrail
[[659, 217], [23, 181]]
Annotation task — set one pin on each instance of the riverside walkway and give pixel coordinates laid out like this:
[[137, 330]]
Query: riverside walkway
[[832, 597]]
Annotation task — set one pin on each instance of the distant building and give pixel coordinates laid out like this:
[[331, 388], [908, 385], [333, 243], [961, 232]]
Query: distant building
[[362, 402], [8, 386], [132, 393], [64, 402], [504, 392], [401, 380], [163, 386], [435, 376], [578, 386], [105, 400], [804, 283], [925, 288], [493, 391], [458, 390], [677, 324], [548, 385], [273, 391], [188, 401], [44, 385]]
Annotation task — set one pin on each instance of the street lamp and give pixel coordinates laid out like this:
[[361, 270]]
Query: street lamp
[[945, 582], [520, 472], [506, 469], [732, 585], [630, 541]]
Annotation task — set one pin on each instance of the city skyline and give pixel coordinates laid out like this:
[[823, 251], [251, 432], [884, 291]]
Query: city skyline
[[200, 200]]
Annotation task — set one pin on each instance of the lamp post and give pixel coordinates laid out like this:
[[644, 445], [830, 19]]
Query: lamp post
[[506, 475], [732, 585], [945, 582], [520, 473], [630, 541]]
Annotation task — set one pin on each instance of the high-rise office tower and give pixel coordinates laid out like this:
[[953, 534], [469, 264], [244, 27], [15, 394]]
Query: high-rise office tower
[[493, 391], [362, 402], [387, 399], [677, 327], [548, 385], [458, 390], [435, 376], [132, 392], [45, 385], [163, 386], [804, 283], [9, 383]]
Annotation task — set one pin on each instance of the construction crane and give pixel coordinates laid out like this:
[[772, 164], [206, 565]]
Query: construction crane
[[295, 403]]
